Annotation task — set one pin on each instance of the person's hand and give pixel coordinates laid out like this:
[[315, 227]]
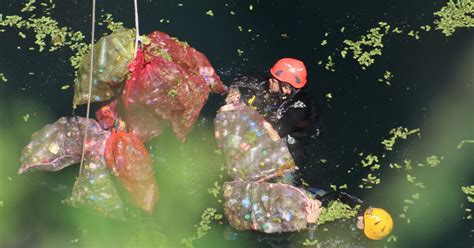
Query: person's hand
[[233, 96], [313, 210], [271, 131]]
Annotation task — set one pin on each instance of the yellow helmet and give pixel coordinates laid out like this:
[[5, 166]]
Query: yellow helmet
[[377, 223]]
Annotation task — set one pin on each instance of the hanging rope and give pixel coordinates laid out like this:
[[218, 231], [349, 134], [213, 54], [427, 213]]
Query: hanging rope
[[91, 69], [137, 29]]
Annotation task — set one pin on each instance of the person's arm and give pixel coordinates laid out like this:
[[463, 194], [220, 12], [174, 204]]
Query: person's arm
[[270, 131], [313, 210], [342, 197]]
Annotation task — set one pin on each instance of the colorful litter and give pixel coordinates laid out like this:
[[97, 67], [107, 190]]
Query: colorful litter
[[168, 82], [249, 152], [57, 145], [112, 55], [253, 157], [265, 207]]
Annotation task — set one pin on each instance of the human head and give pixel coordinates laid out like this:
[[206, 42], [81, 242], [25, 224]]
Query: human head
[[376, 223], [287, 74]]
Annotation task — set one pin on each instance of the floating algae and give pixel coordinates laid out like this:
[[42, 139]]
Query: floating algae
[[387, 76], [336, 211], [456, 14], [47, 31], [3, 78], [368, 46], [399, 132], [330, 64], [469, 191], [373, 161], [207, 217]]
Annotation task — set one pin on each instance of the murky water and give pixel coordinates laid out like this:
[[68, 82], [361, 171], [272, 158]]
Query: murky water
[[431, 89]]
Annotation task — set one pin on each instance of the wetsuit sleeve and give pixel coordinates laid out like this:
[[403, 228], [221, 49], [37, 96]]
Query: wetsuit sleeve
[[341, 196], [293, 119]]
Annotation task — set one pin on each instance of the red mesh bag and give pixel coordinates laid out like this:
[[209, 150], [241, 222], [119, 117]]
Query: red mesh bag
[[169, 83], [107, 115], [193, 62], [129, 161]]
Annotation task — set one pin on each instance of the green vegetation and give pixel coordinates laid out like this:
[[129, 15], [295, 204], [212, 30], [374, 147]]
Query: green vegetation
[[456, 14]]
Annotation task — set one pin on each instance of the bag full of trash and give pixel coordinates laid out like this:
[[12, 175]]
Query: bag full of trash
[[164, 89], [265, 207], [128, 159], [107, 115], [58, 145], [193, 62], [94, 188], [112, 55], [250, 153]]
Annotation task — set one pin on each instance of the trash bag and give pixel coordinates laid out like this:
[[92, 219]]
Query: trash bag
[[264, 207], [57, 145], [128, 159], [107, 114], [94, 188], [159, 91], [194, 63], [248, 150], [112, 55]]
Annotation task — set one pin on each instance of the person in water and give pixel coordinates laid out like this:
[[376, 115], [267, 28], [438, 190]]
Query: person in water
[[376, 223], [290, 110]]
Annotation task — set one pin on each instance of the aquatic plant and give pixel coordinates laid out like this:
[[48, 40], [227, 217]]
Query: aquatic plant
[[456, 14]]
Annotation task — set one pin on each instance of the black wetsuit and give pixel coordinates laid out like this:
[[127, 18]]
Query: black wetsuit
[[294, 117], [339, 233]]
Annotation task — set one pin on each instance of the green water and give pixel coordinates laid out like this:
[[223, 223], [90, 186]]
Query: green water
[[431, 89]]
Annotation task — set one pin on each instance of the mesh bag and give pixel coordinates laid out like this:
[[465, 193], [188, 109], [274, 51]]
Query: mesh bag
[[112, 55], [57, 145], [160, 91], [193, 62], [249, 152], [94, 188], [129, 161], [264, 207], [107, 114]]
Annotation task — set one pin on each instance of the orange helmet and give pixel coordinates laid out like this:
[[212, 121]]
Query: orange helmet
[[290, 71]]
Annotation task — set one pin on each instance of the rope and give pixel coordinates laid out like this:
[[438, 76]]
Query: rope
[[90, 86], [137, 35]]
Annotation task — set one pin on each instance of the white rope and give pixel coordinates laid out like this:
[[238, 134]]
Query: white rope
[[137, 29], [91, 69]]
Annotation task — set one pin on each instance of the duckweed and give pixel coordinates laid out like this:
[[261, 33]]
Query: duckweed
[[335, 211], [455, 15], [3, 78]]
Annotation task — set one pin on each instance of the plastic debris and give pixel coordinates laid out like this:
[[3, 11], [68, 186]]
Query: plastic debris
[[57, 145], [107, 115], [170, 82], [265, 207], [129, 161], [249, 152], [112, 55], [94, 188]]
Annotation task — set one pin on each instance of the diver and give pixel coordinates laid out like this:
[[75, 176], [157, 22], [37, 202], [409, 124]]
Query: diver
[[284, 102], [376, 223]]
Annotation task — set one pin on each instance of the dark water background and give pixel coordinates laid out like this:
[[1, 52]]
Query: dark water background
[[432, 89]]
